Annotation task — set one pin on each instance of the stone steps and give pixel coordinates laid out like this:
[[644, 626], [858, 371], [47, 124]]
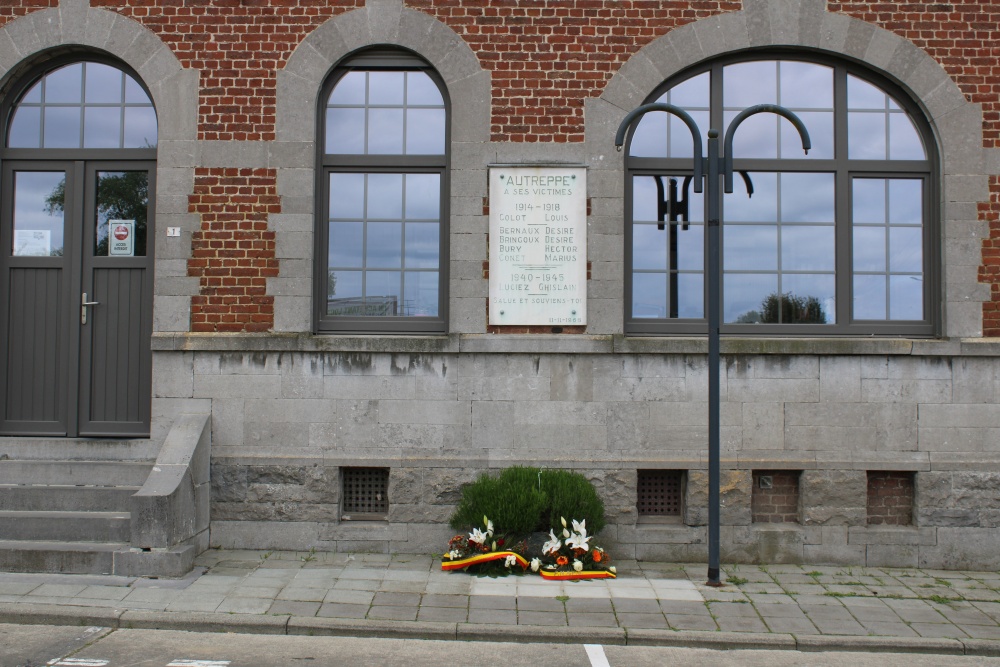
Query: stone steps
[[61, 498], [59, 556], [68, 526], [73, 473]]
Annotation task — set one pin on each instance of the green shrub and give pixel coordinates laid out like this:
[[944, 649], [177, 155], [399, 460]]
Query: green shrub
[[571, 496], [512, 505], [521, 500]]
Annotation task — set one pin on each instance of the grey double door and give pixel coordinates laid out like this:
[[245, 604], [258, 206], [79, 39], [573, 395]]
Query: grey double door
[[76, 283]]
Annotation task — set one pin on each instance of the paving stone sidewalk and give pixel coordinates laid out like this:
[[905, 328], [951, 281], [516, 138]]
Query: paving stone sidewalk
[[798, 601]]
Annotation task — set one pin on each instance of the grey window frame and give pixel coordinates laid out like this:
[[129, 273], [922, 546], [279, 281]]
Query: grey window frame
[[387, 60], [843, 169]]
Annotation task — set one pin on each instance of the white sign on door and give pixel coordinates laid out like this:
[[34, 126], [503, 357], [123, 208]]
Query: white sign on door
[[538, 246], [121, 238]]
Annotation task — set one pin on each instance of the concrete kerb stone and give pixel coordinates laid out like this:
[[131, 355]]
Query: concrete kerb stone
[[541, 634], [812, 643], [349, 627], [43, 614], [204, 622], [725, 641], [981, 647]]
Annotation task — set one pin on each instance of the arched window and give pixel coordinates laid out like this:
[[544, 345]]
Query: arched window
[[382, 229], [839, 241], [76, 255]]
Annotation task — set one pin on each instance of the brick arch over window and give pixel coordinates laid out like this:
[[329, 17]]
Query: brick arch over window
[[389, 23], [956, 122]]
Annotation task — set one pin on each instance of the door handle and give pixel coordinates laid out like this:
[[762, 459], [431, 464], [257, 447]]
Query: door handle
[[83, 307]]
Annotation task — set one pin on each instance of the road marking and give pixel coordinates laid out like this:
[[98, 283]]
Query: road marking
[[596, 654], [78, 662], [198, 663]]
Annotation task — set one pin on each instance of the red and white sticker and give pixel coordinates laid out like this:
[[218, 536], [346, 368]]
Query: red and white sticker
[[121, 241]]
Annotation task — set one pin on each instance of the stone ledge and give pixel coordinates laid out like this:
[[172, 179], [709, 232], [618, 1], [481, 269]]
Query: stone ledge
[[166, 341]]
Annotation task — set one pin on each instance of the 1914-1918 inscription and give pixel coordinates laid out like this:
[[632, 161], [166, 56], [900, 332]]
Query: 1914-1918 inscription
[[538, 245]]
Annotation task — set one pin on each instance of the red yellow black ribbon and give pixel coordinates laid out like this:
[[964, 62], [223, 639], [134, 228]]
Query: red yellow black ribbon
[[462, 563], [576, 576]]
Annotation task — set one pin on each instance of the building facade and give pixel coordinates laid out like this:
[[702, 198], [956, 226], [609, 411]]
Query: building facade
[[308, 187]]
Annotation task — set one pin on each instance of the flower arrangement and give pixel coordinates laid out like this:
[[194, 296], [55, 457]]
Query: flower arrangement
[[572, 557], [485, 553]]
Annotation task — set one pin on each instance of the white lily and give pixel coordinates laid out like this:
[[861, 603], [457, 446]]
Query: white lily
[[477, 536], [489, 527], [613, 570], [565, 533], [580, 526], [578, 541], [535, 564], [552, 545], [577, 565]]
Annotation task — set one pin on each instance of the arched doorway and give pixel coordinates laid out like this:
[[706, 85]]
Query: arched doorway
[[77, 178]]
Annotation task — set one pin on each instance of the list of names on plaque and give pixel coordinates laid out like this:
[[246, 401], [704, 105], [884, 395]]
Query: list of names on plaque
[[538, 246]]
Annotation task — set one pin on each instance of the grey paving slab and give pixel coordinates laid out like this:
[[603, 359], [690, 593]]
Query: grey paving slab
[[731, 609], [104, 592], [492, 602], [57, 590], [643, 621], [438, 600], [294, 608], [680, 607], [17, 588], [791, 625], [340, 610], [397, 599], [624, 605], [349, 597], [493, 616], [244, 605], [882, 629], [540, 604], [302, 594], [195, 604], [540, 618], [938, 630], [741, 624], [393, 613], [592, 620], [589, 605], [982, 632], [446, 614], [688, 622]]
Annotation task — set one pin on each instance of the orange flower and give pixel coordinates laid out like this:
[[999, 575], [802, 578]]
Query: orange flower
[[598, 556], [562, 560]]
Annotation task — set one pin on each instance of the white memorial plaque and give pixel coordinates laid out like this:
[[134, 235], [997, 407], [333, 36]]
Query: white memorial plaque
[[538, 246], [121, 238]]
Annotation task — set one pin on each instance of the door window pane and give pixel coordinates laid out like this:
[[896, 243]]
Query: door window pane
[[39, 200], [122, 207]]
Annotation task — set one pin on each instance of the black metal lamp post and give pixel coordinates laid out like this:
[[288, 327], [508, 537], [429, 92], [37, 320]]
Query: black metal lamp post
[[716, 164]]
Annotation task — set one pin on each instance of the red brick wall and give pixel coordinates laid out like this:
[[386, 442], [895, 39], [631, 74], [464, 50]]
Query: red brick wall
[[989, 272], [11, 9], [546, 58], [233, 253], [780, 503], [238, 45], [890, 498]]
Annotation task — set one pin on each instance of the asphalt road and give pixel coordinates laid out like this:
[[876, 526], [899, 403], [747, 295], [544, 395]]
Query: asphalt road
[[62, 646]]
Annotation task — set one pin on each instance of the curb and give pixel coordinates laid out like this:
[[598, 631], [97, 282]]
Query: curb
[[42, 614]]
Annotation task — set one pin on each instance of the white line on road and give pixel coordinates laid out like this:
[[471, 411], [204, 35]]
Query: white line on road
[[78, 662], [596, 654], [198, 663]]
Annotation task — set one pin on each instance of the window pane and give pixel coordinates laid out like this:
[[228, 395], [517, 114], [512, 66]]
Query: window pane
[[808, 299], [820, 128], [869, 249], [39, 199], [347, 196], [869, 297], [750, 247], [346, 244], [863, 95], [423, 244], [805, 85], [26, 128], [425, 131], [420, 294], [34, 95], [385, 196], [345, 131], [762, 207], [690, 247], [102, 84], [807, 247], [757, 136], [906, 250], [745, 296], [868, 201], [134, 94], [140, 127], [344, 293], [679, 141], [906, 298], [64, 86], [747, 84], [383, 294], [906, 202], [690, 94], [385, 131], [806, 197], [649, 247], [422, 91], [691, 295], [62, 127], [866, 136], [122, 196], [350, 89], [385, 88], [423, 196], [384, 245], [102, 127], [904, 143], [649, 295], [650, 136]]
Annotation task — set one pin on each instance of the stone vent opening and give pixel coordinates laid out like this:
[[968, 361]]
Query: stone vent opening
[[890, 498], [659, 494], [775, 496], [365, 493]]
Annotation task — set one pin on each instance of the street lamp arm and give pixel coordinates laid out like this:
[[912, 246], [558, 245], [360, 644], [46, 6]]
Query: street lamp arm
[[638, 112], [742, 116]]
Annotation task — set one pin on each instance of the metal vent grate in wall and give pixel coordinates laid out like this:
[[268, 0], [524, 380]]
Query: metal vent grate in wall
[[659, 493], [365, 493]]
